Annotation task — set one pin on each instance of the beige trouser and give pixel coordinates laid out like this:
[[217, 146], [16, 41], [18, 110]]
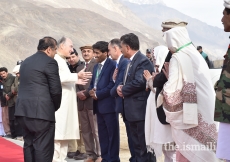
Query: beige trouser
[[60, 150], [74, 145], [90, 132], [5, 120]]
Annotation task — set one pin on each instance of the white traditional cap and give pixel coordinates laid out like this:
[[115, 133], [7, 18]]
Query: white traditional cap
[[171, 23], [16, 69], [227, 3]]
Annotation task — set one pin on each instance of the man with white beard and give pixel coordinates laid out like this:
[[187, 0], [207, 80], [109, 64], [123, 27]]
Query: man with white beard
[[67, 126]]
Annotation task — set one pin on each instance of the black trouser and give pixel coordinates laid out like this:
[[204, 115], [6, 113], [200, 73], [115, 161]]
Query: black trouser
[[15, 127], [137, 130], [38, 137]]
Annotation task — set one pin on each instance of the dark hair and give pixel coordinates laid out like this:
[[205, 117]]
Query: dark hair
[[148, 50], [131, 40], [3, 69], [102, 46], [74, 52], [46, 42], [227, 10], [115, 42], [199, 47]]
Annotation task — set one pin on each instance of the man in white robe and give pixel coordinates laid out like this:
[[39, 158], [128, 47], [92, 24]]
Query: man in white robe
[[67, 126]]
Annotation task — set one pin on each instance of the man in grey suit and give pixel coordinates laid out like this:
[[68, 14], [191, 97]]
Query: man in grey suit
[[39, 96], [85, 109]]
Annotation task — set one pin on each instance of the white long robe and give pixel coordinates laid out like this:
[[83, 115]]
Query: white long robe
[[195, 142], [67, 126]]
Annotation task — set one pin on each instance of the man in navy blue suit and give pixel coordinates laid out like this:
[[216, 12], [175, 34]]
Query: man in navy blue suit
[[135, 95], [115, 54], [104, 103]]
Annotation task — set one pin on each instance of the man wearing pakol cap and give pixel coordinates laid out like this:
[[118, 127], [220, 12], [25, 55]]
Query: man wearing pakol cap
[[222, 106], [88, 120], [159, 79]]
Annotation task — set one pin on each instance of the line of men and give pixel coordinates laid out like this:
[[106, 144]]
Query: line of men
[[109, 82], [47, 94]]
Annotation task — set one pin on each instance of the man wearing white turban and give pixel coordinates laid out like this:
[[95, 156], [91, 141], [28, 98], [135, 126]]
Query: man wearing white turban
[[222, 107], [188, 100]]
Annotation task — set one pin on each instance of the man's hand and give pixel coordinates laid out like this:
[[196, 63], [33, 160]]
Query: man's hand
[[81, 95], [82, 81], [147, 75], [92, 93], [84, 75], [119, 90], [115, 74], [7, 97]]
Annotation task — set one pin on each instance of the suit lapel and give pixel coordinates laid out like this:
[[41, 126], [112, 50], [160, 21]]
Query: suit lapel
[[122, 57], [133, 63], [103, 68]]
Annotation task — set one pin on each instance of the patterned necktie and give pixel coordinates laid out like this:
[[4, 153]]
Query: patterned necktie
[[86, 65], [126, 72], [97, 75]]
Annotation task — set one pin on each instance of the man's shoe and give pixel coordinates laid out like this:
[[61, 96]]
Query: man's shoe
[[81, 156], [99, 159], [72, 154], [8, 136]]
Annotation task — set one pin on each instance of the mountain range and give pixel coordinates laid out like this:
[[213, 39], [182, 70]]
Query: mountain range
[[24, 22]]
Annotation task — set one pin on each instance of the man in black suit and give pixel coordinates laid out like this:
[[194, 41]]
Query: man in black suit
[[39, 97], [115, 54], [104, 104], [135, 95]]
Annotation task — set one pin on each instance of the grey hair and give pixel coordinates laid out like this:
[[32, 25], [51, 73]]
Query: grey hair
[[61, 41], [115, 42]]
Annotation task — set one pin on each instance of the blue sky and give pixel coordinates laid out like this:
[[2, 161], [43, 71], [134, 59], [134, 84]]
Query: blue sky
[[209, 11]]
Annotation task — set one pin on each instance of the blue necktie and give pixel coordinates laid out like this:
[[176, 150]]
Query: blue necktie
[[97, 75]]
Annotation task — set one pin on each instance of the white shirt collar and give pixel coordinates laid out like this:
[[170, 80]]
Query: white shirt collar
[[103, 62], [118, 60], [131, 58]]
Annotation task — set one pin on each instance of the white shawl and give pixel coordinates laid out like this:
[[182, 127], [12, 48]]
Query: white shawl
[[156, 134], [160, 53], [185, 135]]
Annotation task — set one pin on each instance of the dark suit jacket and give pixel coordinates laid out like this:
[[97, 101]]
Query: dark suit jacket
[[104, 103], [40, 91], [134, 90], [88, 102], [120, 75]]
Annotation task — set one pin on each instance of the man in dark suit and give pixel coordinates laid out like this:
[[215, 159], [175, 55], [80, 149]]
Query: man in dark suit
[[85, 109], [115, 54], [104, 104], [39, 96], [135, 95]]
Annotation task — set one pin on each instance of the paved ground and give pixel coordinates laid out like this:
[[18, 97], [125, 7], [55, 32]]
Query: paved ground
[[124, 151]]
